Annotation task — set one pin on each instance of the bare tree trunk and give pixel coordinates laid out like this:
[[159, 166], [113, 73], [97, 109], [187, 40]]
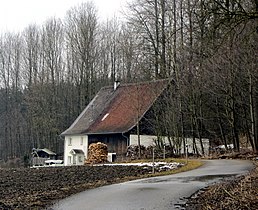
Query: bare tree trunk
[[139, 139], [156, 39], [163, 70], [256, 119], [222, 133]]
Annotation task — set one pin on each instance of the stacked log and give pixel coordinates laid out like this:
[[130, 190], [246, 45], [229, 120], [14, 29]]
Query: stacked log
[[98, 153], [133, 151]]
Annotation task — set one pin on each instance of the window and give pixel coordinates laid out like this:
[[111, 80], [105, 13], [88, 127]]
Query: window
[[69, 160], [80, 158], [70, 141], [81, 140]]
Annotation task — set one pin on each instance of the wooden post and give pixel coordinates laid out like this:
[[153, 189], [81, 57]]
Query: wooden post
[[153, 158], [186, 154], [164, 152]]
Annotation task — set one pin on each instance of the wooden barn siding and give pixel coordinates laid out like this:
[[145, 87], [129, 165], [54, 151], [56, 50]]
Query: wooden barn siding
[[116, 142]]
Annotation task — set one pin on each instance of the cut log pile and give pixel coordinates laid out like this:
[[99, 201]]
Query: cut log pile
[[147, 152], [97, 153], [133, 151]]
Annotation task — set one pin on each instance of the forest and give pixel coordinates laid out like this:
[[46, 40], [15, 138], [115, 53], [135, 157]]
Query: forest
[[209, 48]]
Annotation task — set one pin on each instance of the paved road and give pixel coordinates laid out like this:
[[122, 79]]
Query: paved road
[[160, 193]]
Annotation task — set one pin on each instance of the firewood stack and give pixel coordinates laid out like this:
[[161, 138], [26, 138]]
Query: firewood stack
[[97, 153], [133, 151]]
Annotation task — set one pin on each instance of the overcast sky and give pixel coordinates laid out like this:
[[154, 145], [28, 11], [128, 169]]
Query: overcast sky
[[15, 15]]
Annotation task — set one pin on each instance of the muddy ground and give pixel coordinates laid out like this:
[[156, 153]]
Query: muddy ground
[[37, 188]]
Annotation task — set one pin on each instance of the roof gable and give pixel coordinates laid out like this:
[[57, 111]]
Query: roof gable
[[117, 111]]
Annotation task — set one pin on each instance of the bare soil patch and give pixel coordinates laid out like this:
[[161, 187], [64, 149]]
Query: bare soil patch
[[37, 188]]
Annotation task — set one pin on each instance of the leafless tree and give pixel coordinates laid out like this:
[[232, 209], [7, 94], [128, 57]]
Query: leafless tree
[[81, 27]]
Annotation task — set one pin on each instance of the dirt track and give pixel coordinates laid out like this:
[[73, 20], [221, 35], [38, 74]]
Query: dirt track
[[37, 188]]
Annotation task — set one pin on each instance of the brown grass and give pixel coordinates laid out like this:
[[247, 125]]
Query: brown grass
[[189, 165]]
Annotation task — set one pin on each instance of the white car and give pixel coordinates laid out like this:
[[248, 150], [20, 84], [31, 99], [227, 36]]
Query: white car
[[54, 162]]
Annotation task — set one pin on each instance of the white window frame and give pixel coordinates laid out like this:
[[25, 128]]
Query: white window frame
[[70, 141], [81, 140]]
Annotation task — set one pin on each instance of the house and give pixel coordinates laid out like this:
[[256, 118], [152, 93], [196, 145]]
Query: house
[[39, 156], [110, 118]]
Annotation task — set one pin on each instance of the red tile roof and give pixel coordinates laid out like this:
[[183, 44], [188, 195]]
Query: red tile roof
[[117, 111]]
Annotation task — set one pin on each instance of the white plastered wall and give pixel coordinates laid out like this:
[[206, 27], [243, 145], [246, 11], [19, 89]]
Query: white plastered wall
[[77, 142], [147, 140]]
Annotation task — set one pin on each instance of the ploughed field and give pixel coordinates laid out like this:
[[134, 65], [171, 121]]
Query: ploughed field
[[37, 188]]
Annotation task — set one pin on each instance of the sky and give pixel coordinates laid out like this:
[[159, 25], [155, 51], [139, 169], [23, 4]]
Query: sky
[[15, 15]]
